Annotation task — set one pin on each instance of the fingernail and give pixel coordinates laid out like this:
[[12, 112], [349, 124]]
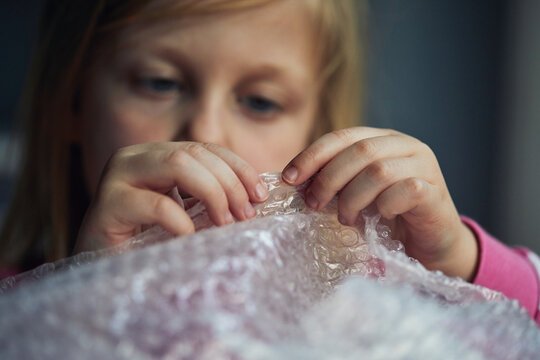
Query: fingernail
[[261, 191], [229, 219], [249, 211], [311, 200], [290, 174]]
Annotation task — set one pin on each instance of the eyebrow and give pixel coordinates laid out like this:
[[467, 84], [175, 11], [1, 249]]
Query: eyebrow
[[271, 72], [265, 72], [174, 56], [259, 72]]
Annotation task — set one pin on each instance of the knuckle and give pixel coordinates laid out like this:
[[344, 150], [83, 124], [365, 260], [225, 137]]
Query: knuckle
[[123, 152], [309, 155], [365, 148], [344, 135], [126, 152], [237, 190], [210, 147], [415, 187], [378, 171], [178, 158], [116, 159], [246, 171], [121, 160], [195, 149], [160, 206]]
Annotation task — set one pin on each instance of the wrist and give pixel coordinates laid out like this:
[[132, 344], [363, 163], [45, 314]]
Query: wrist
[[460, 259]]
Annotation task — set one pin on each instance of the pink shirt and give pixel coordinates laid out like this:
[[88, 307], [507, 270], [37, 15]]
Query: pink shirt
[[512, 271]]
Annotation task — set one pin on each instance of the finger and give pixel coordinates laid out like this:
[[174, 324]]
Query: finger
[[256, 188], [162, 170], [161, 210], [322, 150], [235, 190], [372, 181], [405, 196], [352, 160], [428, 212], [132, 207]]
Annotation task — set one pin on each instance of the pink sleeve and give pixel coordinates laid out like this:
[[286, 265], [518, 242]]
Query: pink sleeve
[[7, 272], [514, 272]]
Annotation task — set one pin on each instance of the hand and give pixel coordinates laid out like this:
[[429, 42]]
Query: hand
[[132, 191], [402, 177]]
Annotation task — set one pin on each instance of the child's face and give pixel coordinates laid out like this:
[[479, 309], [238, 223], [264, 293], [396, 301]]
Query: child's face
[[245, 80]]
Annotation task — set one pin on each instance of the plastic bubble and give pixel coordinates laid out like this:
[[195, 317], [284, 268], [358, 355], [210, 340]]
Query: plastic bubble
[[290, 284]]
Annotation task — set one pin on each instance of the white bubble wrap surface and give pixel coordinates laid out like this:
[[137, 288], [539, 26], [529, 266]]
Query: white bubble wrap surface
[[290, 284]]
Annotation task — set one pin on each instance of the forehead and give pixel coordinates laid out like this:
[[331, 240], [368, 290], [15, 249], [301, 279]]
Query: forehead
[[275, 31]]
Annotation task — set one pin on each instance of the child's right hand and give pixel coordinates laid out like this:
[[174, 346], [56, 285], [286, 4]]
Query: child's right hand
[[132, 189]]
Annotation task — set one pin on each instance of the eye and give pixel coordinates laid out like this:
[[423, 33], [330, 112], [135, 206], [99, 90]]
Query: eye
[[161, 86], [259, 104]]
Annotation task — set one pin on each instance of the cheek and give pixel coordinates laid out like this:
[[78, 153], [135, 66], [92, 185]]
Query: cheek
[[107, 128], [278, 146]]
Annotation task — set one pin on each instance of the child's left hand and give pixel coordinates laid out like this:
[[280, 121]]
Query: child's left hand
[[402, 177]]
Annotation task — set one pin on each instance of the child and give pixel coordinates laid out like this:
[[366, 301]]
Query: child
[[131, 100]]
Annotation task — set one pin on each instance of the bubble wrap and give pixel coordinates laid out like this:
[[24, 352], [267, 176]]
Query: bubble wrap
[[290, 284]]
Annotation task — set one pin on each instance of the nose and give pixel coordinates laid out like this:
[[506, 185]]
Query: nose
[[208, 123]]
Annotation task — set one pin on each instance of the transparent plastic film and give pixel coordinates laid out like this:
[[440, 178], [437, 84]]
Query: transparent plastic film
[[292, 283]]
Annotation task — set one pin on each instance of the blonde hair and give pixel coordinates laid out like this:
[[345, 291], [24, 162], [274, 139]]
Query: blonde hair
[[71, 33]]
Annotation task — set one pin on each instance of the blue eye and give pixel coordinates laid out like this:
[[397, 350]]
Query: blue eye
[[161, 85], [259, 104]]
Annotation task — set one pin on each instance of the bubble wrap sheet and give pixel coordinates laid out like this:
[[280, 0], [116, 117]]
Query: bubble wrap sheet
[[290, 284]]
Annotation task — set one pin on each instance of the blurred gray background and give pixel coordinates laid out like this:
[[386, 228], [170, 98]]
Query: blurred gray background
[[464, 77], [461, 75]]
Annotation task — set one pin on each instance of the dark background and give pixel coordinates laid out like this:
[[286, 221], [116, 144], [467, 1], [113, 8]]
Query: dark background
[[435, 74], [460, 75]]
